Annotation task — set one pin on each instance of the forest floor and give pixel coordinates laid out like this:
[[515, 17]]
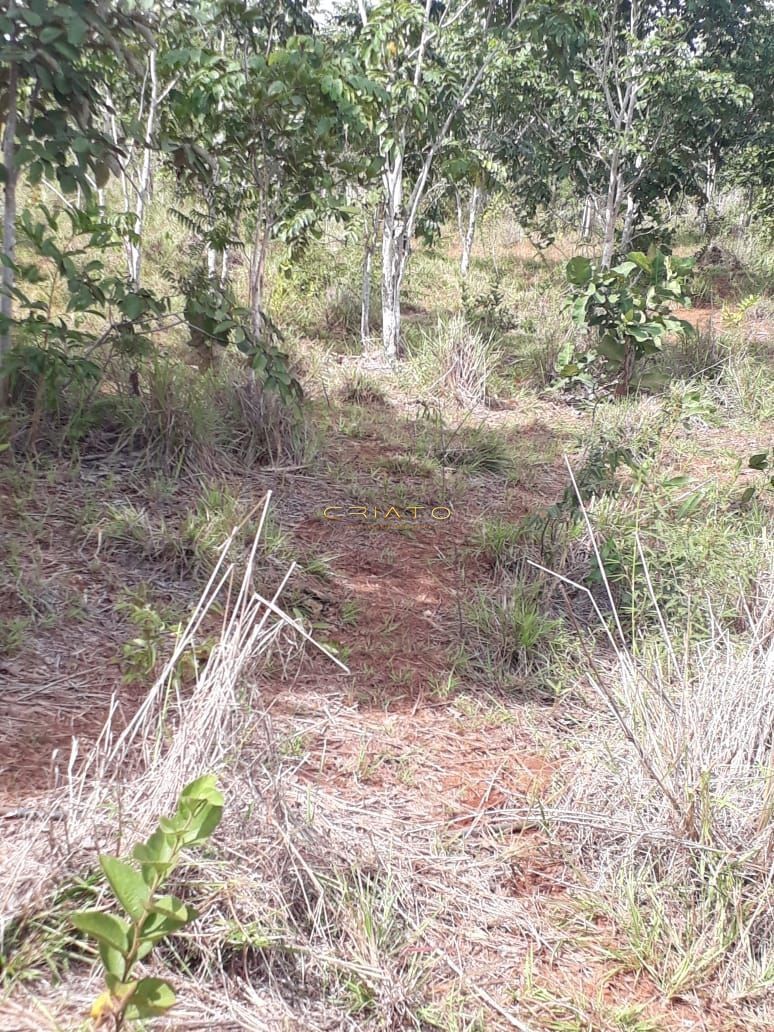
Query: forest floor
[[424, 764]]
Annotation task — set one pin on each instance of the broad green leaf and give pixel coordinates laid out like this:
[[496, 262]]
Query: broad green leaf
[[102, 174], [758, 461], [205, 823], [132, 306], [105, 927], [612, 348], [204, 787], [113, 961], [152, 996], [624, 268], [174, 908], [579, 309], [579, 270], [128, 885], [640, 259]]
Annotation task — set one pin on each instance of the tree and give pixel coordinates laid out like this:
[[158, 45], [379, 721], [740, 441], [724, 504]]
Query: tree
[[267, 124], [429, 62], [52, 71], [646, 110]]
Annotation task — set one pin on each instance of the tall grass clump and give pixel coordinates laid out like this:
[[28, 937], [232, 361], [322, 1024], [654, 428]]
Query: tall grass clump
[[509, 635], [457, 361]]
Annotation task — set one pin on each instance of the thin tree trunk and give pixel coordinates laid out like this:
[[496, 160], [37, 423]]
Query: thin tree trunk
[[612, 209], [587, 218], [474, 209], [709, 195], [394, 256], [261, 239], [9, 219], [628, 226], [369, 246]]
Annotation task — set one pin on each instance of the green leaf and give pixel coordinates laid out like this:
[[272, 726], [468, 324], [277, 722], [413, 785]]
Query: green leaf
[[152, 996], [579, 309], [624, 268], [104, 927], [128, 885], [579, 271], [49, 34], [205, 787], [132, 306], [173, 908], [102, 174], [612, 348], [113, 961], [641, 260], [759, 460]]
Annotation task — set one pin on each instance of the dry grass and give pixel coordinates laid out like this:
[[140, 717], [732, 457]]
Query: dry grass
[[457, 361], [670, 805]]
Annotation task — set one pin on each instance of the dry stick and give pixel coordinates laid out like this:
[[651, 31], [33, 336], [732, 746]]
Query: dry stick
[[596, 553], [300, 630], [610, 698]]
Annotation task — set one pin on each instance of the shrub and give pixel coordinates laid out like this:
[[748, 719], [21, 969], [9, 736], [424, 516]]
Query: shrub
[[478, 451], [358, 389], [628, 306]]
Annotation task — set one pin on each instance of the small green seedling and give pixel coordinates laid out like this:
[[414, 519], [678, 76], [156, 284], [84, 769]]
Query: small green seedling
[[150, 916]]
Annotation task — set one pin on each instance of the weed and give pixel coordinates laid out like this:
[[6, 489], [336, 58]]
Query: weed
[[350, 612], [507, 636], [477, 452], [359, 389]]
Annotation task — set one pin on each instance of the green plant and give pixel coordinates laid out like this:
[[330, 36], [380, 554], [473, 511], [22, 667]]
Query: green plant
[[509, 636], [360, 390], [488, 310], [141, 654], [479, 451], [763, 463], [628, 305], [150, 917]]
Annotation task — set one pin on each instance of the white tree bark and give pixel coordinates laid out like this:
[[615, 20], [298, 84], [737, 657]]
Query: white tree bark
[[587, 218], [467, 226], [709, 194], [612, 210], [369, 246], [628, 227], [394, 255], [137, 182], [260, 251], [399, 221]]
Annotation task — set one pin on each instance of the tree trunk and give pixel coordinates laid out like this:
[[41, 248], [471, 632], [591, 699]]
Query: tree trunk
[[709, 196], [612, 209], [394, 257], [587, 219], [369, 246], [9, 221], [258, 257], [628, 227], [466, 238]]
